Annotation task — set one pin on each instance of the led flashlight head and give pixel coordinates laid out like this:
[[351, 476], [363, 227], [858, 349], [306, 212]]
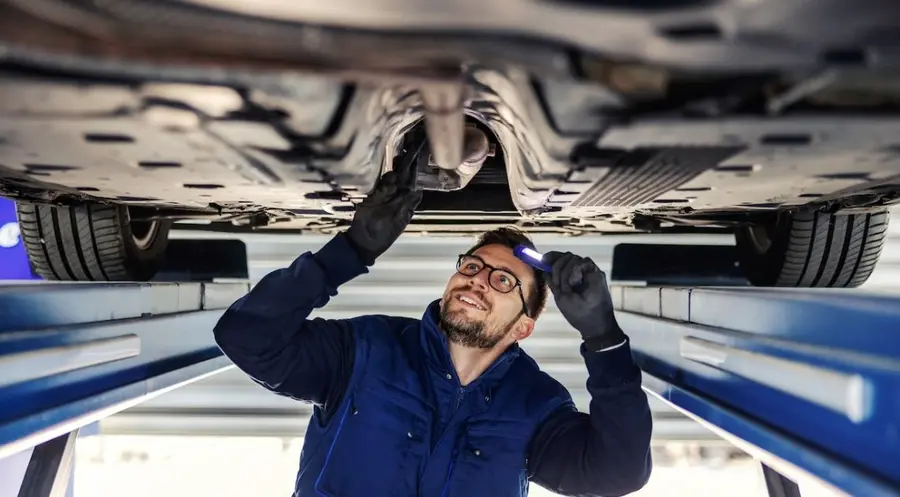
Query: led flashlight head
[[531, 257]]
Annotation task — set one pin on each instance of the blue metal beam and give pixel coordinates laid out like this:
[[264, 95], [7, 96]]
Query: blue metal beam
[[71, 354], [806, 380]]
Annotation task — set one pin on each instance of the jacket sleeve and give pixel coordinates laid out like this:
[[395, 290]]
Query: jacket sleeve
[[268, 333], [604, 453]]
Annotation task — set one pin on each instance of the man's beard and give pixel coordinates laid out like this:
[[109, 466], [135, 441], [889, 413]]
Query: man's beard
[[469, 333]]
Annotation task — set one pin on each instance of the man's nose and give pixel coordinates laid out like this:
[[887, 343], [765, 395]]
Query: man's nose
[[480, 280]]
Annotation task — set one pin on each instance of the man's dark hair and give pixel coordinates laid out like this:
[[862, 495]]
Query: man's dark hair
[[536, 299]]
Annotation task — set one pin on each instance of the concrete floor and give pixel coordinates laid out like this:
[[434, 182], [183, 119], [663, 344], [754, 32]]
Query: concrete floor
[[154, 466]]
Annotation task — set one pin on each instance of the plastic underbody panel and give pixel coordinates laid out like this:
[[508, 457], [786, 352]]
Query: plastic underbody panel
[[647, 116]]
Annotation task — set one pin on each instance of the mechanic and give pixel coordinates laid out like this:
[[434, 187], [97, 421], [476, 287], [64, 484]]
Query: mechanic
[[448, 405]]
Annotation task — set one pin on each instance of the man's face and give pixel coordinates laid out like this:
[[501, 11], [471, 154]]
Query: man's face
[[475, 314]]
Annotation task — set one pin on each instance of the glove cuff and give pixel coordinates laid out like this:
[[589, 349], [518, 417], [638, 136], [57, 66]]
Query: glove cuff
[[608, 339], [365, 256]]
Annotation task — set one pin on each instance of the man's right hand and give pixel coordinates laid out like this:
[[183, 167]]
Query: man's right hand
[[582, 295], [382, 216]]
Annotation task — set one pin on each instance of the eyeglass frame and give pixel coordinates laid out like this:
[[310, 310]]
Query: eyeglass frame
[[484, 266]]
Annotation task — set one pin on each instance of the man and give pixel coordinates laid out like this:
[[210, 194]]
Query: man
[[448, 405]]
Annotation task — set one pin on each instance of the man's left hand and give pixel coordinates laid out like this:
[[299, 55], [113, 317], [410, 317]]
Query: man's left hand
[[383, 216], [582, 295]]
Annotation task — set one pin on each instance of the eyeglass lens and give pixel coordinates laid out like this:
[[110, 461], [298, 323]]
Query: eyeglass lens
[[500, 280]]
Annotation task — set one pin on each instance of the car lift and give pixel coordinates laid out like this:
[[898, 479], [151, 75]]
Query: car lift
[[74, 353], [803, 380]]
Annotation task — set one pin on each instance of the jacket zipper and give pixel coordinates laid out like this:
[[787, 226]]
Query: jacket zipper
[[337, 434], [459, 398], [447, 482]]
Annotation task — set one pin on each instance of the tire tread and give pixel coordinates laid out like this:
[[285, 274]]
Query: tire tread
[[822, 250], [81, 243]]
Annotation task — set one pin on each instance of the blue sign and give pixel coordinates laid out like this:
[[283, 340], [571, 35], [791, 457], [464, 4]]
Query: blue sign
[[13, 259]]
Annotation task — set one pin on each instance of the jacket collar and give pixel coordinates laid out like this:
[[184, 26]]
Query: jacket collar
[[435, 346]]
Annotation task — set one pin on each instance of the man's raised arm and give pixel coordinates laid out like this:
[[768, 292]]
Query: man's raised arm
[[607, 452], [268, 333]]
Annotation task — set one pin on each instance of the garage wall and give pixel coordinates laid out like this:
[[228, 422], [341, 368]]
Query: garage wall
[[403, 282]]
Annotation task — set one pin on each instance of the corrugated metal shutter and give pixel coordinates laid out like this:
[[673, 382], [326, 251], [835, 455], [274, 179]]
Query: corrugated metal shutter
[[403, 282]]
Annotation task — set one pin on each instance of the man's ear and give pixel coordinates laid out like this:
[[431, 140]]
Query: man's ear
[[523, 328]]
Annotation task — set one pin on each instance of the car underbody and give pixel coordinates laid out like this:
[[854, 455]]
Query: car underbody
[[599, 117]]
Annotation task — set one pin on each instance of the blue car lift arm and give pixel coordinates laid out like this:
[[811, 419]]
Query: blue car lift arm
[[807, 381], [71, 354]]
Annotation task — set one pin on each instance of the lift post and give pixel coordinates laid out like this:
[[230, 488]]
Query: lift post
[[804, 380]]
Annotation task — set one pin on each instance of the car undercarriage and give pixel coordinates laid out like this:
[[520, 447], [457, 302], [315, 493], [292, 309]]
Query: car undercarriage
[[778, 122]]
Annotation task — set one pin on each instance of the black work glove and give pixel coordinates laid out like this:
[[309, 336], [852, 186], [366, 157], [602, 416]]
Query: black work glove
[[382, 216], [582, 296]]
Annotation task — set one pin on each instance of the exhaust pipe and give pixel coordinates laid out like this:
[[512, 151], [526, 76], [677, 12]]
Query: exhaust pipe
[[476, 149]]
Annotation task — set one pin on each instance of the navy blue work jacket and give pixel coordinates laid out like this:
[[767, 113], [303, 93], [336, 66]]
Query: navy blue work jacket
[[392, 419]]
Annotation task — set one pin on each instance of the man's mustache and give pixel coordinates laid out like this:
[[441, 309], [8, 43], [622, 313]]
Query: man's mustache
[[466, 289]]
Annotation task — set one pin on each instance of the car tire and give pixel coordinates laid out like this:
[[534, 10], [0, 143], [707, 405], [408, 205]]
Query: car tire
[[91, 242], [813, 249]]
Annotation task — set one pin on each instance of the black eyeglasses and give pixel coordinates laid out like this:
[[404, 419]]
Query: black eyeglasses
[[499, 279]]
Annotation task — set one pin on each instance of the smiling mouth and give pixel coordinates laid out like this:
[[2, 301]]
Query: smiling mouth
[[470, 302]]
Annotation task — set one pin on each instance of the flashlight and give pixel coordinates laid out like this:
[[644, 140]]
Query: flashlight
[[531, 257]]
